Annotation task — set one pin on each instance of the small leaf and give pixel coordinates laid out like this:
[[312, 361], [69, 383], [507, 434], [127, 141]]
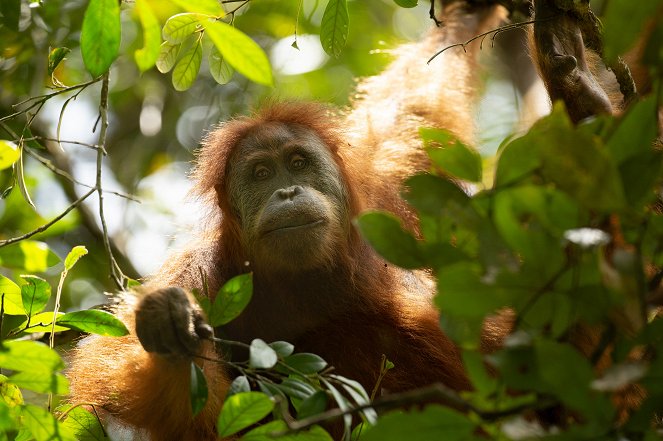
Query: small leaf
[[168, 54], [240, 51], [100, 35], [406, 3], [38, 382], [11, 295], [386, 235], [94, 322], [451, 155], [198, 390], [221, 71], [187, 67], [29, 356], [147, 56], [335, 27], [261, 355], [55, 57], [296, 388], [84, 425], [31, 256], [305, 363], [282, 348], [242, 410], [35, 294], [239, 384], [74, 255], [20, 180], [9, 154], [42, 322], [231, 300], [179, 27]]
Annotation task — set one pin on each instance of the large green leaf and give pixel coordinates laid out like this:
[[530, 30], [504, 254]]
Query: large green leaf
[[242, 410], [100, 35], [35, 294], [11, 295], [9, 154], [386, 235], [230, 301], [28, 255], [84, 425], [335, 27], [451, 155], [210, 7], [29, 356], [39, 382], [43, 426], [240, 51], [168, 54], [93, 321], [179, 27], [147, 56]]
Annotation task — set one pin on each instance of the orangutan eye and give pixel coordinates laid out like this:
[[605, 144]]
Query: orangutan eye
[[298, 162], [261, 172]]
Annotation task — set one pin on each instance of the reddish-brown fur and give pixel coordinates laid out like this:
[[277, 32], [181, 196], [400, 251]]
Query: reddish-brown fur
[[351, 315]]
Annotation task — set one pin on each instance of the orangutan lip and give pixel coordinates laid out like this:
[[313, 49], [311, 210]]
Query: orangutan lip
[[295, 227]]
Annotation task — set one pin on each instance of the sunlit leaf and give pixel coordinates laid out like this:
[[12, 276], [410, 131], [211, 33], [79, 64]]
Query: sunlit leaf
[[221, 71], [147, 56], [94, 322], [35, 294], [242, 410], [100, 35], [168, 54], [31, 256], [269, 431], [43, 425], [84, 425], [386, 235], [74, 255], [38, 382], [187, 67], [335, 27], [10, 394], [179, 27], [240, 51], [451, 155], [42, 322], [406, 3], [11, 292], [9, 154], [231, 300], [29, 356], [55, 57], [211, 7], [20, 180], [261, 356], [198, 390]]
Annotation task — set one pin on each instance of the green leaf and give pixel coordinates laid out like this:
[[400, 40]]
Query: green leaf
[[42, 322], [11, 13], [100, 35], [35, 294], [9, 154], [231, 300], [168, 54], [437, 196], [55, 57], [276, 430], [43, 426], [386, 235], [94, 322], [433, 422], [282, 348], [239, 384], [29, 356], [343, 404], [406, 3], [296, 388], [84, 425], [20, 180], [517, 160], [198, 390], [221, 71], [187, 67], [10, 394], [313, 405], [636, 131], [240, 51], [451, 155], [147, 56], [242, 410], [31, 256], [359, 395], [38, 382], [335, 27], [13, 300], [209, 7], [305, 363], [179, 27], [624, 22], [74, 255], [261, 356]]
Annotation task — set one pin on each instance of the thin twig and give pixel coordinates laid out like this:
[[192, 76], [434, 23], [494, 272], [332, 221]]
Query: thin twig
[[46, 226]]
